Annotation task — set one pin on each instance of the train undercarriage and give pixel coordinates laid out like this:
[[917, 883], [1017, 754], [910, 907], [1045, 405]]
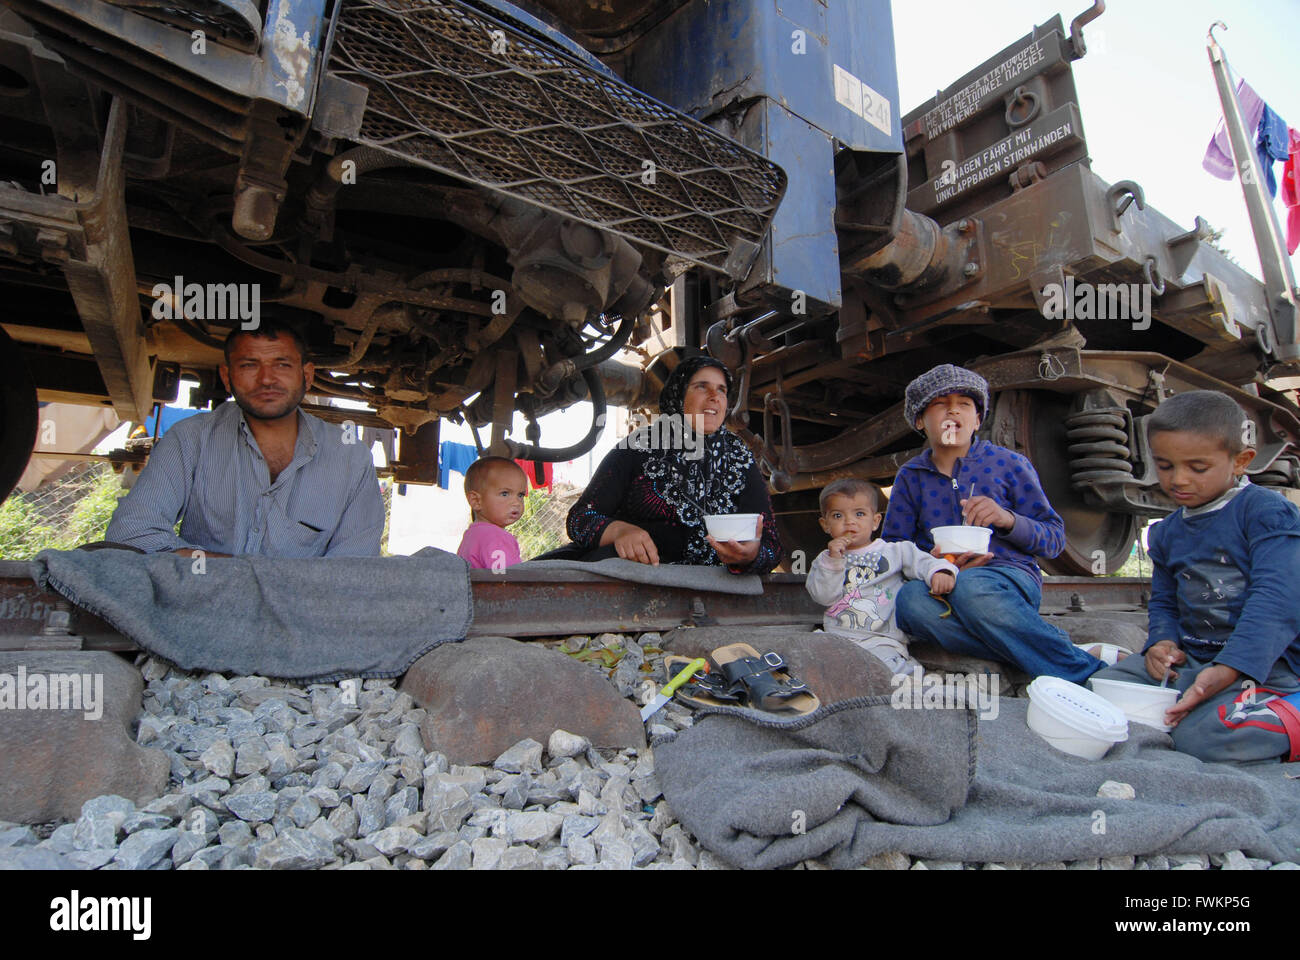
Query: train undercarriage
[[474, 208]]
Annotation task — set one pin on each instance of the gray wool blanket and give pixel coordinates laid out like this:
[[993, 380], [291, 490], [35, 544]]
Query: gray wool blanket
[[712, 579], [322, 619], [736, 782]]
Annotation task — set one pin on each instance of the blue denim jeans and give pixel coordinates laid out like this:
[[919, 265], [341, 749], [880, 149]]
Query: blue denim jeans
[[995, 617]]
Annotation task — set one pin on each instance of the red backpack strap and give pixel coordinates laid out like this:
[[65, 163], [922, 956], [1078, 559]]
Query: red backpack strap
[[1290, 717]]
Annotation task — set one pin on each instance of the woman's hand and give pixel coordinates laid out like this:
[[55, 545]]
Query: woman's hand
[[739, 553], [631, 543]]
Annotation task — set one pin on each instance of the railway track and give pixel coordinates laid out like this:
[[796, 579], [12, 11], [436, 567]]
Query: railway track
[[524, 603]]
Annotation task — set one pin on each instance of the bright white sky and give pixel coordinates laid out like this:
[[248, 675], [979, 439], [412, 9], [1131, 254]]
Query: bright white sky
[[1146, 94]]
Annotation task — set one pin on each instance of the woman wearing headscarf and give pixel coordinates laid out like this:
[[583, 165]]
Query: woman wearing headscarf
[[648, 498]]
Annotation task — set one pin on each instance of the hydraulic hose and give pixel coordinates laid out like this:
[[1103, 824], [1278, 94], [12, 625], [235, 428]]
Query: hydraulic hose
[[526, 451], [549, 380]]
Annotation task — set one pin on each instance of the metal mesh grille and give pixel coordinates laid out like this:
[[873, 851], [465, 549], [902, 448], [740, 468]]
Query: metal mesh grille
[[531, 122], [219, 20]]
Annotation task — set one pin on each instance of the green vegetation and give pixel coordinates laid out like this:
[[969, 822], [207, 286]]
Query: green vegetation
[[25, 530]]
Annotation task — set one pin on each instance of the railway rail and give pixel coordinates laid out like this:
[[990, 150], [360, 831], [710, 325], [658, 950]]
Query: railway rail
[[523, 603]]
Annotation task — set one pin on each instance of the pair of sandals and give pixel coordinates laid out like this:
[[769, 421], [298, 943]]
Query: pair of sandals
[[738, 676]]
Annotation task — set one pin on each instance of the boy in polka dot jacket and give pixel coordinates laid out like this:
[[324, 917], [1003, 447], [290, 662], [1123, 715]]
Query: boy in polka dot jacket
[[995, 601]]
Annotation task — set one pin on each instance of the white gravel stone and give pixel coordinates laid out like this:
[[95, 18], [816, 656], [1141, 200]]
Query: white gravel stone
[[519, 858], [294, 850], [561, 743], [393, 840], [1234, 860], [142, 850], [458, 857], [617, 855], [407, 743], [524, 757], [487, 852], [1114, 790], [533, 827], [582, 851], [219, 759], [304, 812], [251, 758], [255, 807]]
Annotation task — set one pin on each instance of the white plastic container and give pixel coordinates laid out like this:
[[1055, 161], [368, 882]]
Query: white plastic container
[[963, 539], [732, 526], [1074, 720], [1141, 702]]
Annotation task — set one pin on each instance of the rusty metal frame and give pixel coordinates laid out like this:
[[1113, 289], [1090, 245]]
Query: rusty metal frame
[[90, 241], [1122, 371]]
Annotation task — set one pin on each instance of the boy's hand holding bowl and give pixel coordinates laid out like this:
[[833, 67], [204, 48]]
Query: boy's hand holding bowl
[[967, 545]]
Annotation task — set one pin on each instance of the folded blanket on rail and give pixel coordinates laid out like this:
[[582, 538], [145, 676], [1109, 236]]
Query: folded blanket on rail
[[856, 772], [710, 579], [321, 619]]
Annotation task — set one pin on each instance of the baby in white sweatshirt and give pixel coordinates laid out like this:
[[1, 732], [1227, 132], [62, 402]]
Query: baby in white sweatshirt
[[858, 578]]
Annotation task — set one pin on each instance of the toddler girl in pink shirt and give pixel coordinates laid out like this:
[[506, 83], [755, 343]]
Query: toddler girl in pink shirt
[[495, 488]]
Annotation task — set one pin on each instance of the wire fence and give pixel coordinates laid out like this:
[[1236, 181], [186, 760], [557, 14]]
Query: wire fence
[[60, 514], [542, 526]]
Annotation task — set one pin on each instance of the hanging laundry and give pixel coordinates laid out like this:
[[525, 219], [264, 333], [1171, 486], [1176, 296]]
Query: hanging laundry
[[1218, 156], [1291, 191], [545, 480], [1271, 145], [453, 456]]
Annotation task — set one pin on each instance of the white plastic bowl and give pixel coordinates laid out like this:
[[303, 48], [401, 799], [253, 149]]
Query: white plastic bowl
[[1141, 702], [1074, 720], [962, 539], [732, 526]]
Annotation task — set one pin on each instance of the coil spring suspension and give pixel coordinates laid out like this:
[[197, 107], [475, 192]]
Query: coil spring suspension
[[1098, 446]]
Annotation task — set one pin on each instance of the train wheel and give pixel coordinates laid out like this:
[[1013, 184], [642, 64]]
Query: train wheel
[[1091, 534], [17, 415]]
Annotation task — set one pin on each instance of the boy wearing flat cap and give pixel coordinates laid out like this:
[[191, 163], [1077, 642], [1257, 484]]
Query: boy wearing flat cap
[[960, 479]]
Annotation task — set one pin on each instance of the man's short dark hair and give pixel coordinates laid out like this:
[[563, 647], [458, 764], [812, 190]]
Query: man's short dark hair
[[269, 329], [852, 487], [1205, 412], [477, 474]]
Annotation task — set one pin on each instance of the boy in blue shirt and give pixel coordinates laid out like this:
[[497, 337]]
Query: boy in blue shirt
[[1223, 607], [995, 602]]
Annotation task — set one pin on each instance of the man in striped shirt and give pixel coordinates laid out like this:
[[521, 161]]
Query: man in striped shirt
[[258, 476]]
